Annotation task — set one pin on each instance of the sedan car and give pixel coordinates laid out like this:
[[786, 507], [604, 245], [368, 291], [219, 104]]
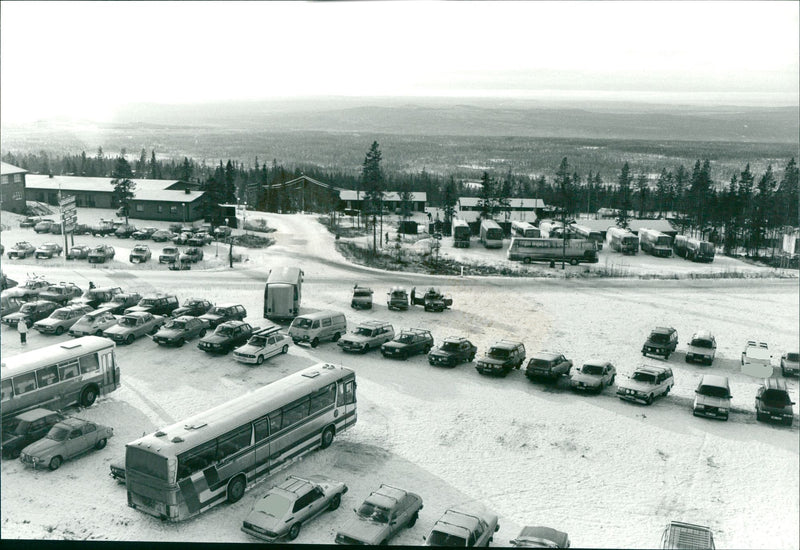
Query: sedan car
[[191, 254], [454, 350], [44, 226], [22, 249], [65, 440], [100, 253], [466, 526], [169, 255], [541, 537], [281, 512], [93, 323], [176, 331], [226, 337], [133, 325], [120, 302], [143, 233], [48, 250], [61, 319], [382, 514], [193, 306], [263, 345], [27, 427], [140, 254], [593, 376], [78, 252], [30, 312], [162, 235], [790, 363], [61, 293]]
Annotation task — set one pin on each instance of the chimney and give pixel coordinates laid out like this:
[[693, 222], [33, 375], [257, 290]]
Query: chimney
[[50, 175], [187, 191]]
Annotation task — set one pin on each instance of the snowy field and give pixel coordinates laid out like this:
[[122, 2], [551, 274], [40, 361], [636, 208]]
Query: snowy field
[[610, 473]]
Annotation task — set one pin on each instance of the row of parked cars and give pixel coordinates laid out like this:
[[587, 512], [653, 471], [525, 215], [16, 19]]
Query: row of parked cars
[[100, 253], [399, 298]]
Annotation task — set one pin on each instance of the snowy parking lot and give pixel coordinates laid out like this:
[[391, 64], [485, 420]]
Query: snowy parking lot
[[608, 472]]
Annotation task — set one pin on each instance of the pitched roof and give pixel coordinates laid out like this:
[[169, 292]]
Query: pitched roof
[[351, 195], [659, 225], [146, 189], [513, 202], [6, 168]]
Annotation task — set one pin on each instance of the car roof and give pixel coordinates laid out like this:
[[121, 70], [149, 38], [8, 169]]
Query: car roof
[[455, 339], [775, 384], [137, 314], [72, 422], [548, 533], [34, 414], [231, 324], [294, 486], [229, 304], [664, 330], [548, 355], [596, 362], [703, 335], [373, 324], [714, 380], [506, 344], [651, 369], [386, 496], [184, 318]]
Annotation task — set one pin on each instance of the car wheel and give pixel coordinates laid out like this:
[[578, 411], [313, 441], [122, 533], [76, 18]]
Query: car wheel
[[129, 340], [611, 382], [285, 349], [649, 400], [366, 348], [180, 342], [314, 342], [260, 360], [55, 462], [336, 337], [202, 333], [98, 333], [687, 359], [294, 530], [413, 519], [100, 443], [526, 260], [573, 261], [236, 489], [404, 356], [88, 396], [783, 371], [327, 437], [335, 502], [666, 391], [59, 331], [666, 356]]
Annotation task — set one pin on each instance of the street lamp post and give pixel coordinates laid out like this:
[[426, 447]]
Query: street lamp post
[[183, 212]]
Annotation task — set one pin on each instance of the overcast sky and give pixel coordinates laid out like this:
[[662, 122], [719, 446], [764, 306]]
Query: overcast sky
[[84, 58]]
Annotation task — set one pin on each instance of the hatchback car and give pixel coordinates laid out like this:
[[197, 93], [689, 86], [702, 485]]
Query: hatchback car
[[262, 345], [27, 427], [65, 440], [31, 312], [790, 363], [176, 331], [78, 252], [593, 376], [462, 527], [281, 512], [61, 319], [93, 323], [48, 250], [22, 249], [773, 403]]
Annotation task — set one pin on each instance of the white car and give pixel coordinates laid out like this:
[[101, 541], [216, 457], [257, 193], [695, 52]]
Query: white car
[[263, 345]]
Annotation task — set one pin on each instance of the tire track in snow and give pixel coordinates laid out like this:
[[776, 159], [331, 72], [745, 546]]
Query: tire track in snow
[[154, 412]]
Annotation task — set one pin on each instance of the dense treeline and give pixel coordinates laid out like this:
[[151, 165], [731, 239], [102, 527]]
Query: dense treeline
[[741, 212]]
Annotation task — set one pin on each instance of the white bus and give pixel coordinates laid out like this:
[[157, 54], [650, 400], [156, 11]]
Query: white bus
[[655, 243], [589, 234], [461, 233], [524, 229], [622, 240], [186, 468], [283, 293], [491, 234], [76, 371], [530, 250]]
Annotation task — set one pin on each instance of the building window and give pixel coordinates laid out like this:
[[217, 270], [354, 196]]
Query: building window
[[5, 180], [160, 208], [17, 196], [173, 209], [140, 208], [17, 178]]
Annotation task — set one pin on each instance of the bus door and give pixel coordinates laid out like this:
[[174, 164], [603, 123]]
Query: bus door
[[347, 397], [292, 432], [108, 368]]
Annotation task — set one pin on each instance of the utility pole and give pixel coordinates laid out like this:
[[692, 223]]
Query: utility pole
[[374, 236]]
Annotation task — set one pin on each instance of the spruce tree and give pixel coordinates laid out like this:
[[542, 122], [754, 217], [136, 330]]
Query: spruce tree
[[124, 188], [624, 196]]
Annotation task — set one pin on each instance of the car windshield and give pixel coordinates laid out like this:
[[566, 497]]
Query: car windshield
[[170, 251], [702, 343], [128, 321], [259, 341], [592, 369], [16, 426], [28, 308], [119, 299], [499, 353], [273, 505], [405, 339], [147, 302], [541, 362], [793, 357], [302, 323], [224, 331], [140, 249], [176, 324], [450, 346], [98, 249], [776, 398], [713, 391], [57, 433], [364, 331], [644, 377], [362, 293], [375, 513], [219, 311], [60, 315], [437, 538], [399, 294], [659, 338]]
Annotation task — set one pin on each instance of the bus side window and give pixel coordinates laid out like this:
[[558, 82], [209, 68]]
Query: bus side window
[[47, 376], [295, 413], [233, 441], [196, 459], [349, 392], [262, 428], [6, 392], [24, 383], [89, 363], [275, 421], [323, 398], [68, 370]]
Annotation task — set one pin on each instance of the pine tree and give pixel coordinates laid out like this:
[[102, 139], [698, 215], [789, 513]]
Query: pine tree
[[99, 163], [731, 211], [124, 188], [745, 203], [186, 171], [563, 184], [624, 198], [662, 189], [141, 164], [788, 203], [154, 172], [488, 197], [449, 200], [641, 187], [373, 182], [762, 212]]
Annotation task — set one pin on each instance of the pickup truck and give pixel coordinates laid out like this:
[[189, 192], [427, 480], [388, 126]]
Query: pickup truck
[[547, 365], [382, 514], [408, 342], [227, 336]]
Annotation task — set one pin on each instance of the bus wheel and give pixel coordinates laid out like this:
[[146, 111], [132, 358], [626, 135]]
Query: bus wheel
[[314, 342], [526, 260], [260, 360], [327, 437], [100, 443], [55, 462], [573, 261], [88, 396], [236, 489], [294, 530]]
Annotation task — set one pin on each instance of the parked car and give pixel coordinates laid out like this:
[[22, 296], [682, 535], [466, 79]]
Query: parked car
[[311, 328], [61, 319], [408, 342], [133, 325], [30, 312], [647, 383], [199, 239], [81, 229], [593, 376], [60, 293], [366, 336], [27, 427], [548, 365], [157, 305], [702, 347], [21, 250], [432, 300], [125, 231], [100, 253], [96, 296], [773, 403], [176, 331], [162, 235], [683, 536], [56, 228], [712, 398], [362, 297], [143, 233], [382, 514], [66, 439], [169, 255], [501, 357], [227, 336], [222, 232], [103, 228], [397, 299], [286, 507], [140, 254], [454, 350], [790, 363], [224, 312], [191, 254], [182, 238], [30, 290], [120, 302], [78, 252], [48, 250], [43, 226], [30, 221], [194, 307], [757, 359], [541, 537], [9, 305], [463, 527], [262, 345], [662, 341], [93, 323]]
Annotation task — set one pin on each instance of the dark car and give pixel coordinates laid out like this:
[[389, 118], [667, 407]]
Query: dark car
[[194, 307], [96, 296], [169, 254], [501, 357], [31, 312], [162, 235], [397, 299], [61, 293], [27, 427], [227, 336], [454, 350], [176, 331], [78, 252], [100, 253], [143, 233], [140, 254], [48, 250], [225, 312], [30, 221], [408, 342], [199, 239], [773, 403], [432, 300], [548, 365], [120, 302], [56, 228], [43, 226], [82, 229], [662, 341], [541, 537], [157, 305], [191, 254], [125, 231], [20, 250]]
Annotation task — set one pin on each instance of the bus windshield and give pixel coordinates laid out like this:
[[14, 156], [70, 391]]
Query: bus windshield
[[494, 233]]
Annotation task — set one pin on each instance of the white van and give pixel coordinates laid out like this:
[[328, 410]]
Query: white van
[[757, 360], [322, 325]]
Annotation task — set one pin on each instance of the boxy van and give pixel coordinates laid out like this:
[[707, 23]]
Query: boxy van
[[313, 327]]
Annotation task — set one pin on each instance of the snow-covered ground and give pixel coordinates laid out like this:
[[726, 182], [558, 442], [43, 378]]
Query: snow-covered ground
[[609, 473]]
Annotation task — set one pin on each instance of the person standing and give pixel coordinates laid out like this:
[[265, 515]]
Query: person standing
[[22, 328]]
